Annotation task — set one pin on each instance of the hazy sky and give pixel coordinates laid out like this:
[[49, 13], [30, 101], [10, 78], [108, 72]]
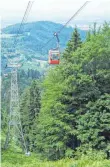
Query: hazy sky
[[12, 11]]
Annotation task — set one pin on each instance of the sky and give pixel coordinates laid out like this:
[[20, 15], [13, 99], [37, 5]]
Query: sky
[[12, 11]]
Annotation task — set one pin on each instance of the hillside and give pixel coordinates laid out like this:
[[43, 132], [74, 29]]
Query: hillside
[[39, 33], [34, 36]]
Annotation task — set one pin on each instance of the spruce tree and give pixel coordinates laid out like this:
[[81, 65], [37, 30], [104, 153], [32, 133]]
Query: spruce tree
[[70, 101], [30, 108], [73, 43]]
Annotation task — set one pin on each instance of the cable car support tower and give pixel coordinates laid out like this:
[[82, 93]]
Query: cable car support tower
[[15, 134]]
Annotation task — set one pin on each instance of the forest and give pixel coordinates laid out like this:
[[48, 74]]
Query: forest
[[65, 112]]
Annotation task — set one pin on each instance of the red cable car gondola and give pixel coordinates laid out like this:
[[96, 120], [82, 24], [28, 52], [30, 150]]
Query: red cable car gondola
[[54, 54], [54, 57]]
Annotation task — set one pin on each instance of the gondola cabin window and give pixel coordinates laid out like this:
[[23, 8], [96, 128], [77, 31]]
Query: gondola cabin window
[[54, 56]]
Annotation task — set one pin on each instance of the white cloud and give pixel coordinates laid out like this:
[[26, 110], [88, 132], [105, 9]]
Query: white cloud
[[55, 10]]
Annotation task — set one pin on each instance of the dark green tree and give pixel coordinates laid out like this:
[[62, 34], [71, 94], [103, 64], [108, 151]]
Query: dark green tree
[[94, 126], [29, 108], [74, 43], [68, 90]]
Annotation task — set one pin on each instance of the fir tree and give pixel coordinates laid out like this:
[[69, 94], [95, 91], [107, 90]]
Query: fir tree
[[29, 108], [73, 43], [68, 92]]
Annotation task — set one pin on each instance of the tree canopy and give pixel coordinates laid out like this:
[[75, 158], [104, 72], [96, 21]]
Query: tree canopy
[[75, 104]]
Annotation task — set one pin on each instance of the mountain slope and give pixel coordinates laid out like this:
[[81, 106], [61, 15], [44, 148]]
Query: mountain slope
[[33, 37]]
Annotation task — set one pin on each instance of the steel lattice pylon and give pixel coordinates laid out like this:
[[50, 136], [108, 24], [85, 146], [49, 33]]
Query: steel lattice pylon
[[14, 125], [15, 132]]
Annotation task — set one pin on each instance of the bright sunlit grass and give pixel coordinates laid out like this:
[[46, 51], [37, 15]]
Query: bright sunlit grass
[[10, 159]]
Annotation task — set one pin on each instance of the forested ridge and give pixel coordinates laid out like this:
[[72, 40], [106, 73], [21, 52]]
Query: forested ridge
[[66, 114], [33, 36], [29, 44]]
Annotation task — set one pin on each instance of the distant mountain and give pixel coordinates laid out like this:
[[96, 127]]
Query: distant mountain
[[33, 37]]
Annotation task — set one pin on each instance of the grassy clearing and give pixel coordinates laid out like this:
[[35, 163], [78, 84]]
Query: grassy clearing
[[10, 159]]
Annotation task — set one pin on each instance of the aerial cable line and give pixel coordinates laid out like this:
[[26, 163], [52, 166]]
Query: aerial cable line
[[79, 10], [25, 19], [29, 8], [58, 32], [22, 22], [26, 14]]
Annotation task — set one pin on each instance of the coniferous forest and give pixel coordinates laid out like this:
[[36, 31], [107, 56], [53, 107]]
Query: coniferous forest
[[65, 113]]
